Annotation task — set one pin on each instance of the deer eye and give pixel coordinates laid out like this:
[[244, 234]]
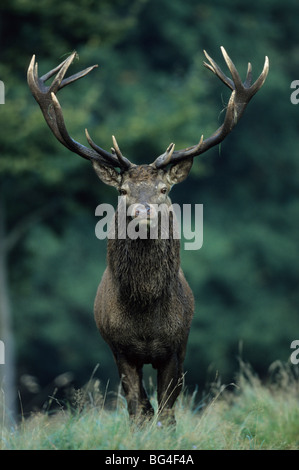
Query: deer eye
[[164, 190], [122, 192]]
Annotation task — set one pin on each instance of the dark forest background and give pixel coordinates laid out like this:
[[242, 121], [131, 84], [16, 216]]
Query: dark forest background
[[150, 89]]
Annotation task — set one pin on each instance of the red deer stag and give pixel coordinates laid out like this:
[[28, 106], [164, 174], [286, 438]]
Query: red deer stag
[[144, 305]]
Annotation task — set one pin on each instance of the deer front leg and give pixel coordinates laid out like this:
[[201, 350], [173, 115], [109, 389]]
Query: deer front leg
[[139, 406], [170, 380]]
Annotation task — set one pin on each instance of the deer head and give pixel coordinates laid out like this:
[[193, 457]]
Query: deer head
[[150, 184]]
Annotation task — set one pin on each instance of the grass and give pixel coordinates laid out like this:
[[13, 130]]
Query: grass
[[249, 415]]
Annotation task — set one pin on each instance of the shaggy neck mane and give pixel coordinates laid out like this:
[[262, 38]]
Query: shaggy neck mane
[[144, 270]]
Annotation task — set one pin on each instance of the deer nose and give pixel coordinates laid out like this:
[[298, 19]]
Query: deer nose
[[142, 210]]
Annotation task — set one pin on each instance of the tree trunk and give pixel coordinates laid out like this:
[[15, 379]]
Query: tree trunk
[[7, 370]]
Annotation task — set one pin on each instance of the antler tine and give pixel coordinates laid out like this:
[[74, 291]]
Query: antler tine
[[56, 69], [231, 66], [165, 158], [76, 76], [42, 96], [108, 156], [217, 71], [240, 97], [32, 74], [123, 161], [62, 69], [51, 109], [261, 79]]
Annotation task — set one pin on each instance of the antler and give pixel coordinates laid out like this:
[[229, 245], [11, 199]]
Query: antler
[[51, 109], [240, 97]]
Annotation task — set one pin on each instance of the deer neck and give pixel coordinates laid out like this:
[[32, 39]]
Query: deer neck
[[144, 270]]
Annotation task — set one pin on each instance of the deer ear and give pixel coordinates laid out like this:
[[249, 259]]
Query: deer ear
[[107, 174], [179, 171]]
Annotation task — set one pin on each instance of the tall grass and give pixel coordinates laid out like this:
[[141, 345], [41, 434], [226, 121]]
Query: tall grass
[[249, 415]]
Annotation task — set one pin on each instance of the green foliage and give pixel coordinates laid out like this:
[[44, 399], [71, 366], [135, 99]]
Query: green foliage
[[151, 89]]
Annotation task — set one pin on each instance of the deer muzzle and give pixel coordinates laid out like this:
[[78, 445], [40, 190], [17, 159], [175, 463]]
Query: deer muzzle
[[145, 213]]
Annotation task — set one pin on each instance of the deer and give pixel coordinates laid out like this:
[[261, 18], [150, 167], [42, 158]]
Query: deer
[[144, 305]]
